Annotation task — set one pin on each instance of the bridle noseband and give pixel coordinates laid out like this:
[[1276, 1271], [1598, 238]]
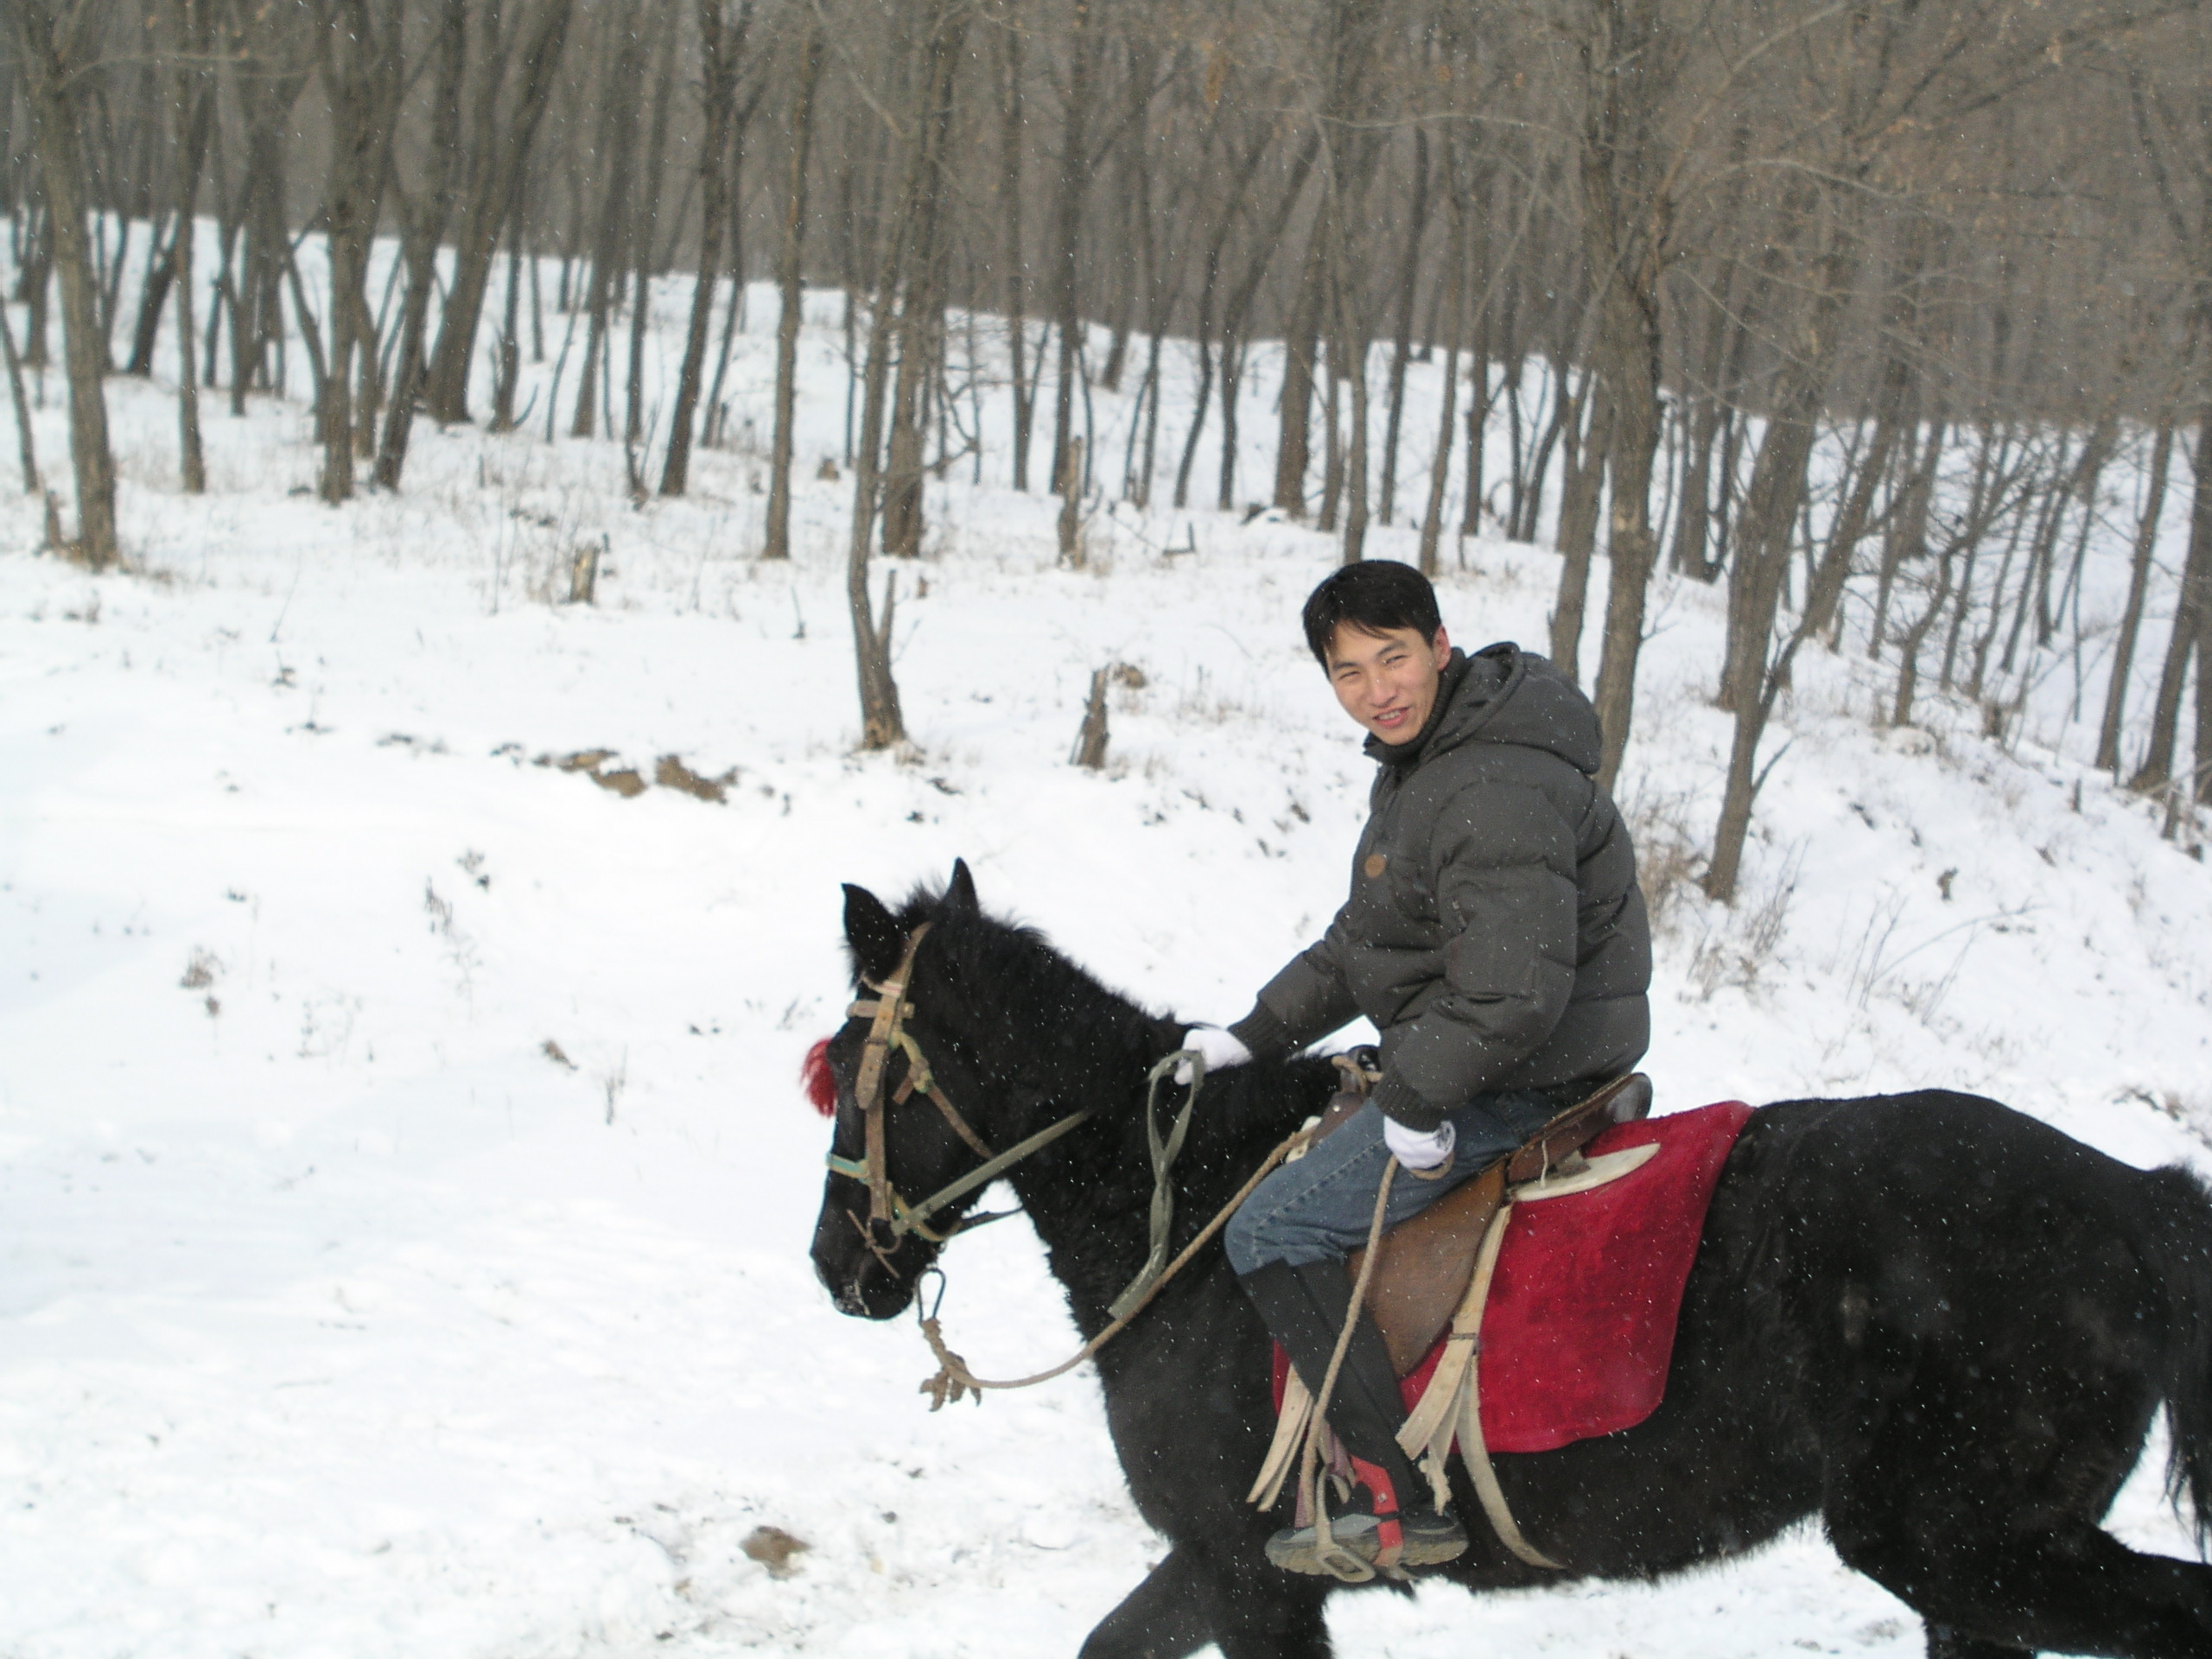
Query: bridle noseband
[[890, 1216]]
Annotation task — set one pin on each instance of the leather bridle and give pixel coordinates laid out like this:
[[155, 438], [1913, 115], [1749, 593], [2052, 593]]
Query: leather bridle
[[890, 1216]]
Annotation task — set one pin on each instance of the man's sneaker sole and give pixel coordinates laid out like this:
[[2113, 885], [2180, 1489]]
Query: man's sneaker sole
[[1432, 1540], [1429, 1541]]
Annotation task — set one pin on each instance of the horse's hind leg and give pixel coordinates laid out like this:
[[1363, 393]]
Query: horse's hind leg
[[1997, 1548], [2073, 1589], [1189, 1599], [1944, 1643]]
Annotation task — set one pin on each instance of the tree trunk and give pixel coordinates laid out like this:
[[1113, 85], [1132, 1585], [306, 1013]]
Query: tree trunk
[[1694, 507], [1202, 331], [358, 54], [1236, 313], [500, 147], [1623, 234], [2139, 582], [920, 353], [1823, 599], [1908, 644], [643, 263], [26, 451], [1356, 459], [1294, 447], [1401, 344], [2190, 610], [1017, 324], [610, 250], [1070, 188], [718, 60], [1581, 486], [506, 358], [1909, 490], [935, 43], [424, 226], [1332, 450], [1439, 466], [161, 272], [789, 266], [195, 101], [48, 70]]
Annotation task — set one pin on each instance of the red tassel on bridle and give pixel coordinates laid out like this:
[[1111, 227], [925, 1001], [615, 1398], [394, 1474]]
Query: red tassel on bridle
[[818, 1080]]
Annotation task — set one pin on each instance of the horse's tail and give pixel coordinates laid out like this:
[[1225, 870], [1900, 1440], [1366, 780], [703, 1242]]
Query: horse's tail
[[2178, 1237]]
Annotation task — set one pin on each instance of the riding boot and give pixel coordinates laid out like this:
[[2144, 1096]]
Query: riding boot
[[1304, 1309]]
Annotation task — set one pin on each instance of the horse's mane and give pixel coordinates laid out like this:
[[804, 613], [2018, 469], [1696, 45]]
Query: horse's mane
[[1074, 1032], [1065, 1040]]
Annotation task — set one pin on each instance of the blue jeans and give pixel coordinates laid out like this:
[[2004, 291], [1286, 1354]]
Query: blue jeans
[[1320, 1209]]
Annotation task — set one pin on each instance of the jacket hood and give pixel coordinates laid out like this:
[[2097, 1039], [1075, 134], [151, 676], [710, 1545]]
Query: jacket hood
[[1502, 695]]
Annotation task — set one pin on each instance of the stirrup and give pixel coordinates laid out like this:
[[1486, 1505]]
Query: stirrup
[[1355, 1541]]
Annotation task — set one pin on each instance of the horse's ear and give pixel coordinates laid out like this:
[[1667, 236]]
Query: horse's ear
[[877, 940], [960, 896]]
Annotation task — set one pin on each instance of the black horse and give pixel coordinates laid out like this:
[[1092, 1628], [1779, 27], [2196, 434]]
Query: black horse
[[1941, 1327]]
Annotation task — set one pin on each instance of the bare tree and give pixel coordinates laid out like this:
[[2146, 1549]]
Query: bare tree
[[1070, 185], [622, 88], [357, 55], [26, 452], [56, 43], [195, 104], [790, 266], [935, 33], [722, 49], [506, 113], [423, 219], [2177, 140]]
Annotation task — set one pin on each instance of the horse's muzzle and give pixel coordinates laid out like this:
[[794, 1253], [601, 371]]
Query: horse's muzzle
[[860, 1282]]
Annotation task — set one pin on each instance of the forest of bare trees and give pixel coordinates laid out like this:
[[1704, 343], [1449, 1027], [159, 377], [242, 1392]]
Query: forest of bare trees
[[1885, 316]]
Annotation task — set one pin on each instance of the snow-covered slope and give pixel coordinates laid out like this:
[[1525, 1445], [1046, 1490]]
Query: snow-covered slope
[[404, 1189]]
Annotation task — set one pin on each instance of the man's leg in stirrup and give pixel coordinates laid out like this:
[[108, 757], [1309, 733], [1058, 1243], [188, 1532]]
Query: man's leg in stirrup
[[1288, 1244], [1305, 1309]]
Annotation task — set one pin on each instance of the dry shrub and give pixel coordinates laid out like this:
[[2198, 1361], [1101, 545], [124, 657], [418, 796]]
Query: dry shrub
[[1741, 948], [671, 772], [775, 1549], [1668, 862], [625, 781]]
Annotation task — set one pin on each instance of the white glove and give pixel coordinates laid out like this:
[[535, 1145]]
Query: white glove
[[1216, 1046], [1416, 1149]]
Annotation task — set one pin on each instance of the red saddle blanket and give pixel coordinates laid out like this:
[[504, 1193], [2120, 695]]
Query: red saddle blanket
[[1579, 1325]]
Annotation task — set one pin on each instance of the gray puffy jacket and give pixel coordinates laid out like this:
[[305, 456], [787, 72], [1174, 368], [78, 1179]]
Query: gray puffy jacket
[[1495, 933]]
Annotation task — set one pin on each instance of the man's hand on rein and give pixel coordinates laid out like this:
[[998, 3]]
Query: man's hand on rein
[[1216, 1046], [1417, 1148]]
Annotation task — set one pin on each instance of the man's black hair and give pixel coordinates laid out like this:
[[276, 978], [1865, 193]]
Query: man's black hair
[[1372, 596]]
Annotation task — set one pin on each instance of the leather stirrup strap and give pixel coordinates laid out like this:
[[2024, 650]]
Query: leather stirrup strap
[[1472, 1453]]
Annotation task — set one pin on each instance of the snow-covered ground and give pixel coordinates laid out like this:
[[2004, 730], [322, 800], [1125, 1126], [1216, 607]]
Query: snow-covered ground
[[404, 1192]]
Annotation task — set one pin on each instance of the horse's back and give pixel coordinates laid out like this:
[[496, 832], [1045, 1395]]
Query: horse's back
[[1897, 1221]]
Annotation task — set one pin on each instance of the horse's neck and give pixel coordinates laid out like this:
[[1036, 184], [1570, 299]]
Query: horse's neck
[[1092, 1209]]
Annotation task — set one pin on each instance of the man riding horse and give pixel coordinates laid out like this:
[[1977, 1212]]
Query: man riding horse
[[1496, 936]]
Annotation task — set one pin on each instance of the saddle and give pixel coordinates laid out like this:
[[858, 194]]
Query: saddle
[[1427, 1262], [1435, 1271]]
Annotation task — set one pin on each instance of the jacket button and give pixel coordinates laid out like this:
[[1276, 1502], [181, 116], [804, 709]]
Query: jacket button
[[1375, 865]]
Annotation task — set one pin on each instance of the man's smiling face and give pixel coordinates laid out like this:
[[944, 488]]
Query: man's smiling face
[[1387, 681]]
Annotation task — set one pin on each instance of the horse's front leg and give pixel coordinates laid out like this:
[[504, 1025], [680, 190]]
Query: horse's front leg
[[1189, 1600]]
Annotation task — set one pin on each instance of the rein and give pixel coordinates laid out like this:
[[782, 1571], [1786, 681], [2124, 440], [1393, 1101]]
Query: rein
[[954, 1380], [890, 1214]]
